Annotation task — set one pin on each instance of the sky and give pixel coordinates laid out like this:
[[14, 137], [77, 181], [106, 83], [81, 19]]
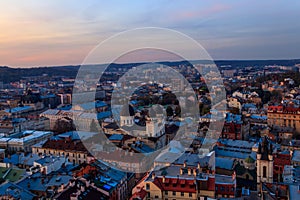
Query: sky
[[63, 32]]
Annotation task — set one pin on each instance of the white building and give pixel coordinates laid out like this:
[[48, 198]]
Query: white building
[[24, 140], [48, 164]]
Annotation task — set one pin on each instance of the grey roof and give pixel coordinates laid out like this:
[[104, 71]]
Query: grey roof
[[296, 156], [16, 191], [237, 143], [224, 163], [294, 192], [223, 179], [234, 154], [29, 159], [19, 109], [193, 159], [32, 183], [57, 180]]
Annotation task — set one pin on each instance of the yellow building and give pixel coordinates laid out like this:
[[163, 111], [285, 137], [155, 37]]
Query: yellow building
[[188, 183], [284, 116]]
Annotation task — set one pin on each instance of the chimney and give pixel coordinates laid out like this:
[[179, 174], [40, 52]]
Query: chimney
[[164, 179], [233, 175], [181, 171], [195, 172], [199, 167], [153, 175], [87, 183], [82, 188], [189, 171], [184, 164]]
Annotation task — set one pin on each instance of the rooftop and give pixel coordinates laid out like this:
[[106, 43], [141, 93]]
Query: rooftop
[[8, 188]]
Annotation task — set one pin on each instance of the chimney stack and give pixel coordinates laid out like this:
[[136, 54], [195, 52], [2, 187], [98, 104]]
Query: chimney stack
[[233, 175], [199, 167], [184, 163], [153, 175], [195, 172], [181, 171], [189, 171]]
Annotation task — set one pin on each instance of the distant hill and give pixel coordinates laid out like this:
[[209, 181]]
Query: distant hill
[[246, 63], [8, 74]]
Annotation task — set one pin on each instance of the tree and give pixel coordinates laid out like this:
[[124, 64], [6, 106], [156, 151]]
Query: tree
[[63, 125], [266, 97], [178, 111], [93, 126], [276, 95], [169, 111]]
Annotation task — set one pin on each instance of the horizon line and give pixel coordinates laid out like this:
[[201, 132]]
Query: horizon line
[[140, 62]]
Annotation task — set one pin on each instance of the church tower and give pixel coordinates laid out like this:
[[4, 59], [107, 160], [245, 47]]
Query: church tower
[[264, 163], [127, 116]]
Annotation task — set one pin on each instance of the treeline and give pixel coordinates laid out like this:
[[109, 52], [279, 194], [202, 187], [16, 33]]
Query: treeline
[[279, 77], [15, 74]]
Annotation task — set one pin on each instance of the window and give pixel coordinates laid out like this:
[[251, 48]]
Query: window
[[174, 193], [190, 194], [182, 194], [156, 196], [264, 171], [147, 186], [216, 188], [166, 192]]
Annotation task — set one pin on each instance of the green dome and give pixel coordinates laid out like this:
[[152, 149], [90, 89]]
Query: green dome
[[249, 160]]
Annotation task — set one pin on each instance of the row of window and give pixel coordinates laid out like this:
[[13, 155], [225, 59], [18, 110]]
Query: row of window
[[62, 154], [225, 189], [181, 193], [286, 116]]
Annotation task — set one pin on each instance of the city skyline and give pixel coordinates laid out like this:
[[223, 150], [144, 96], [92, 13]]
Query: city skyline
[[52, 33]]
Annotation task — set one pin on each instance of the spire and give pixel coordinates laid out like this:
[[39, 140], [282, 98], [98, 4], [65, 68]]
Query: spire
[[259, 148], [271, 148]]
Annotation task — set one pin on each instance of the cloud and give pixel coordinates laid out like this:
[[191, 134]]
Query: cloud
[[201, 13]]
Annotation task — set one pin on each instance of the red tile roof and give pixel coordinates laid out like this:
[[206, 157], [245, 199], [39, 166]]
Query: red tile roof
[[76, 146]]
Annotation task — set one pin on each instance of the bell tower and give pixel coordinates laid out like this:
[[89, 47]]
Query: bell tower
[[127, 116], [264, 163]]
